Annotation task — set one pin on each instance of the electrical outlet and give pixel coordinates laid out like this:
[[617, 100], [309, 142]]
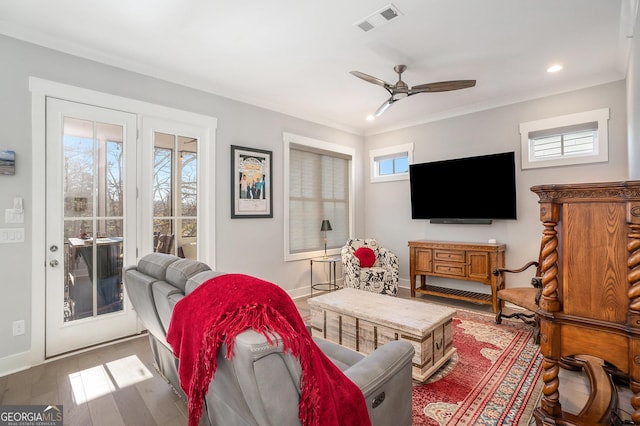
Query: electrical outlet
[[18, 328]]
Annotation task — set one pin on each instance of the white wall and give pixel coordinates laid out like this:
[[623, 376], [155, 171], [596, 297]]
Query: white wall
[[15, 259], [387, 205], [633, 105]]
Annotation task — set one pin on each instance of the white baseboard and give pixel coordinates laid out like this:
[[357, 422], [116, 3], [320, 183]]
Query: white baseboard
[[404, 283], [14, 363], [304, 291]]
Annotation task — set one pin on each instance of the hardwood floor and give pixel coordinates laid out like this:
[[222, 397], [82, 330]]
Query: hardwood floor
[[113, 385], [118, 385]]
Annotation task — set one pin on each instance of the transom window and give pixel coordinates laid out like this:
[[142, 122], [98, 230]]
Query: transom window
[[571, 139], [392, 163], [565, 142], [393, 166]]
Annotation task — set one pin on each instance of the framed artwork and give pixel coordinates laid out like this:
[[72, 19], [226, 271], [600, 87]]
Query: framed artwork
[[7, 162], [251, 183]]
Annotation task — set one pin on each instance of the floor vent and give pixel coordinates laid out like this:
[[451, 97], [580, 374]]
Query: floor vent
[[378, 18]]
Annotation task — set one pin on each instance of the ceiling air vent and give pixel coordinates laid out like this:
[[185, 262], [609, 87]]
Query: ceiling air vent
[[378, 18]]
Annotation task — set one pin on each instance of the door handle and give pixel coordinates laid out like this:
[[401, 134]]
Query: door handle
[[53, 248], [54, 263]]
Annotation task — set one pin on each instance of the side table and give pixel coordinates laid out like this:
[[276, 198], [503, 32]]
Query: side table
[[330, 285]]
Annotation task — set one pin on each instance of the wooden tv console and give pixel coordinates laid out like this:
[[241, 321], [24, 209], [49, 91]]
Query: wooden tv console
[[457, 260]]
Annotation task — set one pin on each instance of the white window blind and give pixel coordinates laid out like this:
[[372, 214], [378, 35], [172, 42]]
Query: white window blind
[[579, 138], [565, 142], [318, 190]]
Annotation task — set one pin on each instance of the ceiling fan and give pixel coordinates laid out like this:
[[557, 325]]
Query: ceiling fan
[[400, 90]]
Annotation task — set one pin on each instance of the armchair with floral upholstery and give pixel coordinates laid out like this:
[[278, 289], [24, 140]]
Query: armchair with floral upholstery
[[370, 267]]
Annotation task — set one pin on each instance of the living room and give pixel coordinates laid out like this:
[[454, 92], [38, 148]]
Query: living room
[[381, 210]]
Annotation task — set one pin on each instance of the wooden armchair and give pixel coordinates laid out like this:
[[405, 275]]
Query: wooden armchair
[[525, 297]]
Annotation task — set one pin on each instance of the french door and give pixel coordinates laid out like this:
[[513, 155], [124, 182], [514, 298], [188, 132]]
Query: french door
[[90, 225]]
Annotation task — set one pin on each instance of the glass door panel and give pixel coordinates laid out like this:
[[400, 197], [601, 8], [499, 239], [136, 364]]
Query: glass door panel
[[93, 218], [175, 195]]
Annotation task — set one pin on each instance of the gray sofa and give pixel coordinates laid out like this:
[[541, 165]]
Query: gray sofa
[[259, 385]]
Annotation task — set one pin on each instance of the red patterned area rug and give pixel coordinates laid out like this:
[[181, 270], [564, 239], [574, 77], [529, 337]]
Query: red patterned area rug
[[491, 380]]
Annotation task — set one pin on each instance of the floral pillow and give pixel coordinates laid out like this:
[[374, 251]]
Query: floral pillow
[[366, 256]]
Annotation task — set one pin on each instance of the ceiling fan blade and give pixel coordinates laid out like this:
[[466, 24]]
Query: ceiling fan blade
[[443, 86], [385, 106], [370, 79]]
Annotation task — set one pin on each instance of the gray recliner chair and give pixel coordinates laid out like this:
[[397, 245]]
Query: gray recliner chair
[[259, 385]]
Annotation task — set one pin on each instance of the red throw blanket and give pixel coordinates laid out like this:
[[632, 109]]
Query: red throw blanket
[[220, 309]]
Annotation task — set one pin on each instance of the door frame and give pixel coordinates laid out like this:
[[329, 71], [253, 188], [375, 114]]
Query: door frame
[[41, 89]]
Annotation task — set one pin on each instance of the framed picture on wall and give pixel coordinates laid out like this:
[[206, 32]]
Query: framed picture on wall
[[251, 183], [7, 162]]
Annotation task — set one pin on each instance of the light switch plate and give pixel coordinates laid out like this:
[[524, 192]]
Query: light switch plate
[[13, 216], [11, 235]]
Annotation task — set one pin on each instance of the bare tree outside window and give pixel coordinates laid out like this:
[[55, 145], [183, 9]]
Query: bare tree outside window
[[175, 193]]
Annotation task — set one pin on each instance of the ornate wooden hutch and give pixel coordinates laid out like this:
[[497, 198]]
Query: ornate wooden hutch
[[590, 305]]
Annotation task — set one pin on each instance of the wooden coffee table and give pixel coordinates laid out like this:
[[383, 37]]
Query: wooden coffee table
[[363, 321]]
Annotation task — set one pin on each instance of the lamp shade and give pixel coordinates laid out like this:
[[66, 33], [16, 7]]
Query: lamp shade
[[326, 225]]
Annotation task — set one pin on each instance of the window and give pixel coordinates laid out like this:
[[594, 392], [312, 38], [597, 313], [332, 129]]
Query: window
[[392, 163], [570, 139], [318, 179], [175, 201]]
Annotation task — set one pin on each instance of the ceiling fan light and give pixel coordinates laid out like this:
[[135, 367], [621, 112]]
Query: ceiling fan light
[[385, 106], [554, 68]]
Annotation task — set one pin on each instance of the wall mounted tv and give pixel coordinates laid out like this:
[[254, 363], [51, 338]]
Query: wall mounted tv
[[471, 190]]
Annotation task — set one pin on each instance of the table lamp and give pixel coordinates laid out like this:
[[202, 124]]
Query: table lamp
[[326, 226]]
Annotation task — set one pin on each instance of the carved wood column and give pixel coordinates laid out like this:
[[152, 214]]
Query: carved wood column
[[549, 302], [633, 279]]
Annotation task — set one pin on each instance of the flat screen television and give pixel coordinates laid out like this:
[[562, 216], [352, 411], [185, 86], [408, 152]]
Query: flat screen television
[[472, 190]]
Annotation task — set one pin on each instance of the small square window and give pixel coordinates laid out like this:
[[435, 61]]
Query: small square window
[[389, 164], [392, 166]]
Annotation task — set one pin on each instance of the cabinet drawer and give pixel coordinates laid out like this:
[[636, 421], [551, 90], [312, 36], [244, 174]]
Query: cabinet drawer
[[449, 255], [453, 269]]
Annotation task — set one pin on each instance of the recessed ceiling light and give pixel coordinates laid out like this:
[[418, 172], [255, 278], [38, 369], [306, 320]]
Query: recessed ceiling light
[[370, 117], [554, 68]]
